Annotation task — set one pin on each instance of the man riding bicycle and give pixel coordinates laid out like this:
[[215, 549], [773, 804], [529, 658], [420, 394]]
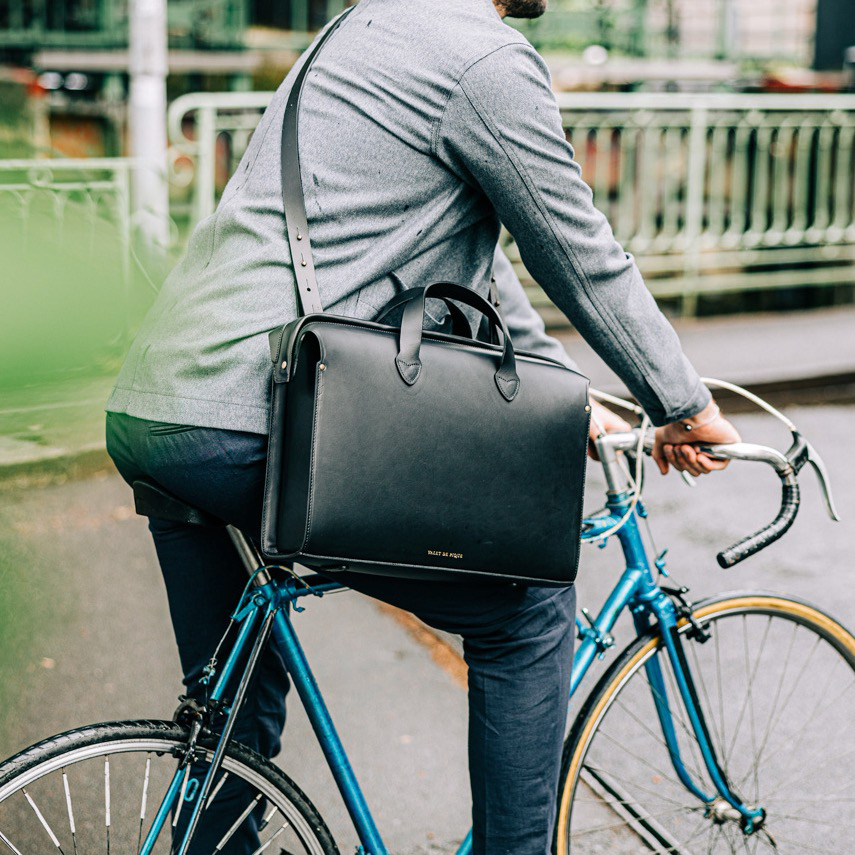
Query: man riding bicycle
[[424, 125]]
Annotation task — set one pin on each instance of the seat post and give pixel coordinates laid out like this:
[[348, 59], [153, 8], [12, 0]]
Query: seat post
[[250, 556]]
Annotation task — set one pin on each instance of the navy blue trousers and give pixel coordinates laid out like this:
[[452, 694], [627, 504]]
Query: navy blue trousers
[[517, 640]]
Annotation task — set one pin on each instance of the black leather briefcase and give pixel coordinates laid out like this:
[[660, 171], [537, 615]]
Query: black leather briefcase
[[409, 453]]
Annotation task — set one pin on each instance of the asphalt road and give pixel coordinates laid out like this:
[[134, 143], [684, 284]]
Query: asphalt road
[[85, 633]]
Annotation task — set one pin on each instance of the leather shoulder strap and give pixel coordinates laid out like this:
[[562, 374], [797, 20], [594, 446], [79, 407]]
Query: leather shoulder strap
[[297, 226]]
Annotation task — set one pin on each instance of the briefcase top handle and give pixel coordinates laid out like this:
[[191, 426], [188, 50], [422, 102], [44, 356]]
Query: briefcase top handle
[[292, 187], [408, 360]]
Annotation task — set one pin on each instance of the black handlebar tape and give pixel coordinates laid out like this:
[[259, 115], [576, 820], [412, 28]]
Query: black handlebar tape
[[769, 534]]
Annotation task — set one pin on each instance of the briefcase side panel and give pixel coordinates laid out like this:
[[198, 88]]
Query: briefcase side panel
[[296, 452], [446, 473]]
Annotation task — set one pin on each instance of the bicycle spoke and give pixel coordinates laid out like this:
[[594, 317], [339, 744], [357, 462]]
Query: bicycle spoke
[[646, 728], [42, 820], [217, 788], [827, 705], [726, 830], [801, 846], [767, 730], [265, 845], [238, 822], [751, 696], [144, 803], [715, 736], [720, 692], [611, 826], [846, 786], [181, 795], [796, 681], [715, 832], [5, 840], [107, 800], [70, 811], [809, 820], [266, 821], [806, 770], [695, 831], [635, 756], [637, 786], [741, 715]]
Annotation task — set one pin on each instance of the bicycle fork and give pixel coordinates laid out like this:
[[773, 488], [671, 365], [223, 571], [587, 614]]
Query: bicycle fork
[[750, 818]]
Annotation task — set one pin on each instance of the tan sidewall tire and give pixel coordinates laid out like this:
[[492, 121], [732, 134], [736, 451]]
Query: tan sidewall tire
[[598, 703]]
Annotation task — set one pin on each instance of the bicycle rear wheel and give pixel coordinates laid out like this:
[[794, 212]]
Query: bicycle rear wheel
[[97, 789], [776, 682]]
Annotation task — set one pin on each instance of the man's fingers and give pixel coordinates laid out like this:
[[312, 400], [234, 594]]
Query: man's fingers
[[659, 459], [671, 456], [711, 463], [685, 457], [696, 462]]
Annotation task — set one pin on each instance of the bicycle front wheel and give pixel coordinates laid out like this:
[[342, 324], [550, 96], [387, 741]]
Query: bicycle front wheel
[[98, 789], [775, 682]]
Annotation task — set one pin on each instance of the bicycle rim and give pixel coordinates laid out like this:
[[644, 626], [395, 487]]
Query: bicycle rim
[[776, 682], [98, 789]]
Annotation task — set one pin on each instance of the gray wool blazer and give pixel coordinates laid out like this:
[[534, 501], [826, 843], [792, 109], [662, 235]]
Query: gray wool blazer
[[424, 125]]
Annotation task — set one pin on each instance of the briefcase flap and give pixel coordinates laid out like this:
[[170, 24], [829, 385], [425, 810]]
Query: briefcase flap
[[442, 472]]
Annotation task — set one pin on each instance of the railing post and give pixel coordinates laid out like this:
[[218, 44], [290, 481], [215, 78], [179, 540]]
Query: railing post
[[300, 15], [206, 162], [694, 206], [147, 114], [123, 214]]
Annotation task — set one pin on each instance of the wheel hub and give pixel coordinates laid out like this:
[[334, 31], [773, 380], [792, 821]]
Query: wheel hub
[[721, 812]]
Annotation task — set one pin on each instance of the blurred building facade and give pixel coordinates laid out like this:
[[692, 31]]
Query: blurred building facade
[[72, 54], [719, 192]]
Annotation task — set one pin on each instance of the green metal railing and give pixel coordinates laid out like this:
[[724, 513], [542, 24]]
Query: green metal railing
[[70, 223], [103, 24], [713, 194]]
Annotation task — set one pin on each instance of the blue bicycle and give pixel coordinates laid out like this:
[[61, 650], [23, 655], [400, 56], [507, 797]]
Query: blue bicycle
[[724, 726]]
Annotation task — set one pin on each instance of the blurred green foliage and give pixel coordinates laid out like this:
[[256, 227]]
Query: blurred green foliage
[[66, 290], [15, 123]]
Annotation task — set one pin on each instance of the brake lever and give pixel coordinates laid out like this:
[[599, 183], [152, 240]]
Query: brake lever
[[824, 482], [801, 452]]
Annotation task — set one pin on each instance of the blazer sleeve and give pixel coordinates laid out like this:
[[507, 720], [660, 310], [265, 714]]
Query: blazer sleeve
[[501, 132]]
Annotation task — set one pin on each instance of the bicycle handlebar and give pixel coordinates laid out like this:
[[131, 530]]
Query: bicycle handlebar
[[785, 465], [790, 499]]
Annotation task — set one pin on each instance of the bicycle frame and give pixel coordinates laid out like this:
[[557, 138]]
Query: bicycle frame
[[266, 608]]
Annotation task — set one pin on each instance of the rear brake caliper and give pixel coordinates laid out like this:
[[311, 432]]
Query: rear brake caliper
[[194, 716]]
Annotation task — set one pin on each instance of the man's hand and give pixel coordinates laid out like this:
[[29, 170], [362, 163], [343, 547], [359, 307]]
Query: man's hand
[[674, 444], [603, 421]]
